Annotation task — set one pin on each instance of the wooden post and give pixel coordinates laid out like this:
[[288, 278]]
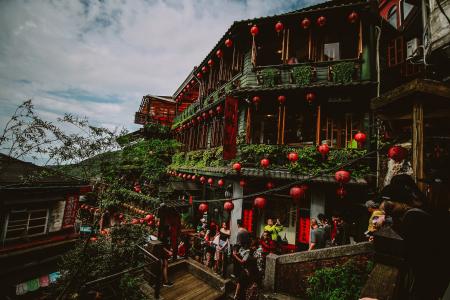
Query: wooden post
[[360, 44], [417, 143], [278, 125], [309, 45], [284, 122], [318, 126], [248, 127]]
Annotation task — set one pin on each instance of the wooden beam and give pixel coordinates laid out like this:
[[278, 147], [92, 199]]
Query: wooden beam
[[417, 143], [318, 126]]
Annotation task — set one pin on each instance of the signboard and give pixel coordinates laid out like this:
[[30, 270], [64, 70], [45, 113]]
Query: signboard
[[85, 229], [303, 226], [70, 211], [230, 128], [56, 216]]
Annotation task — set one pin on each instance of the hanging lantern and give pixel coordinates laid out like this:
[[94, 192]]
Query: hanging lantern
[[254, 30], [242, 183], [306, 23], [149, 217], [260, 202], [188, 86], [228, 43], [341, 192], [192, 81], [228, 206], [397, 153], [188, 177], [210, 63], [279, 26], [324, 149], [219, 109], [203, 208], [193, 177], [210, 181], [211, 113], [135, 221], [220, 182], [199, 75], [360, 137], [204, 69], [121, 216], [199, 119], [202, 180], [342, 176], [296, 193], [293, 157], [256, 100], [204, 115], [219, 53], [265, 163], [237, 167], [141, 221], [310, 97], [353, 17], [184, 176], [321, 21], [270, 185], [282, 99], [93, 239]]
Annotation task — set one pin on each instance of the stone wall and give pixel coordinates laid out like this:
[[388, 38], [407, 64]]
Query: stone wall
[[289, 273]]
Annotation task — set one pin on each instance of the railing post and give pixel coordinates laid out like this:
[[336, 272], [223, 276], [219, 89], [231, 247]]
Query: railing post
[[158, 279]]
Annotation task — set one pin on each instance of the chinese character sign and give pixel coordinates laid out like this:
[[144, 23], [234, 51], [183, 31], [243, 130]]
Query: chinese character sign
[[70, 211], [231, 118], [303, 226]]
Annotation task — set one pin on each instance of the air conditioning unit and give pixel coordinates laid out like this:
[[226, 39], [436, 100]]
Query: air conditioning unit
[[411, 47]]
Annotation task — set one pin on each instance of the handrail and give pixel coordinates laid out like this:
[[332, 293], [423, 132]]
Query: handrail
[[112, 277], [148, 253], [313, 63]]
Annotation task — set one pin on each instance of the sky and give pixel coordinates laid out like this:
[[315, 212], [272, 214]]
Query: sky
[[96, 59]]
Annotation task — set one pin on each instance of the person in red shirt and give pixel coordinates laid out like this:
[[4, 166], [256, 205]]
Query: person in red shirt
[[267, 244]]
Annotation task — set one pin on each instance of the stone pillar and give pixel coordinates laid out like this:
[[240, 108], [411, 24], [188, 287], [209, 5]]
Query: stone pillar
[[317, 202], [270, 272], [236, 213]]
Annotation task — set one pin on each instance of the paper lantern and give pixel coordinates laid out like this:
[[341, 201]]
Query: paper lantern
[[321, 21], [134, 221], [210, 181], [282, 99], [199, 75], [260, 202], [270, 185], [204, 69], [254, 30], [203, 208], [265, 163], [324, 149], [210, 63], [228, 206], [256, 100], [293, 157], [305, 23], [296, 193], [237, 167], [310, 97], [211, 113], [360, 137], [242, 183], [342, 176], [220, 182], [341, 192], [202, 179], [397, 153], [219, 109], [193, 177], [219, 53], [228, 43], [353, 17], [279, 26]]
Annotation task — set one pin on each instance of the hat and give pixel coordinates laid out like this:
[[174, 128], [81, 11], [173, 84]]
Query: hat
[[372, 204]]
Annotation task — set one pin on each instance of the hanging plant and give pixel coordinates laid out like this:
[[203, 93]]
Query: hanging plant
[[269, 77], [302, 75], [343, 72]]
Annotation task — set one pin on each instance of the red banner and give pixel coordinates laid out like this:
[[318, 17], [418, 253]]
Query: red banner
[[247, 221], [303, 226], [70, 211], [231, 128]]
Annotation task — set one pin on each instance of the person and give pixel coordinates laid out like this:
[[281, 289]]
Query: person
[[242, 242], [325, 225], [316, 240], [341, 231], [210, 246], [165, 255], [222, 248], [374, 209], [274, 229], [247, 283], [426, 246], [267, 244]]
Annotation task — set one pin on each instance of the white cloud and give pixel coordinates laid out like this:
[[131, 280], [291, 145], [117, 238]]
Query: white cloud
[[117, 50]]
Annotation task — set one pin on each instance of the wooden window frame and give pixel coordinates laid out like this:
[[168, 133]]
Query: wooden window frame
[[395, 52], [27, 225]]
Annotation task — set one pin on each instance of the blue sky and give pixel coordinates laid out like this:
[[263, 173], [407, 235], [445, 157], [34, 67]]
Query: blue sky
[[98, 58]]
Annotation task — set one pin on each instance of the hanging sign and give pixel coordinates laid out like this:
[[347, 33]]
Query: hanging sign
[[231, 118], [70, 211], [303, 226], [56, 216]]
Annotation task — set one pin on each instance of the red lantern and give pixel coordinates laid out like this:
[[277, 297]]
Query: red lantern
[[353, 17], [265, 163], [188, 177], [220, 182], [296, 192], [219, 109], [141, 221], [281, 99], [193, 177], [360, 138], [306, 23], [210, 181], [184, 176], [228, 206], [341, 192], [256, 100], [211, 113], [324, 149], [237, 167], [293, 157], [192, 81], [204, 69], [310, 97], [202, 180], [93, 239], [321, 21], [279, 26], [151, 223], [204, 116], [219, 53], [210, 63], [199, 75], [203, 208], [135, 221], [121, 216], [397, 153], [242, 183], [199, 119], [149, 217], [270, 185], [260, 202], [254, 30], [342, 176], [228, 43]]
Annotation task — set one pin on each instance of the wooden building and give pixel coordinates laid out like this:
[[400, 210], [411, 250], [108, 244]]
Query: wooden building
[[155, 109], [275, 85], [38, 208]]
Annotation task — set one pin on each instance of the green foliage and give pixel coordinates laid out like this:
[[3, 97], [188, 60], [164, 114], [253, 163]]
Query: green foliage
[[198, 159], [108, 255], [342, 282], [158, 131], [269, 77], [343, 72], [302, 75]]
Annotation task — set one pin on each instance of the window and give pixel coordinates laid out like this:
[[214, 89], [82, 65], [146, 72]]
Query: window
[[331, 51], [338, 131], [406, 7], [392, 16], [26, 223], [395, 52]]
